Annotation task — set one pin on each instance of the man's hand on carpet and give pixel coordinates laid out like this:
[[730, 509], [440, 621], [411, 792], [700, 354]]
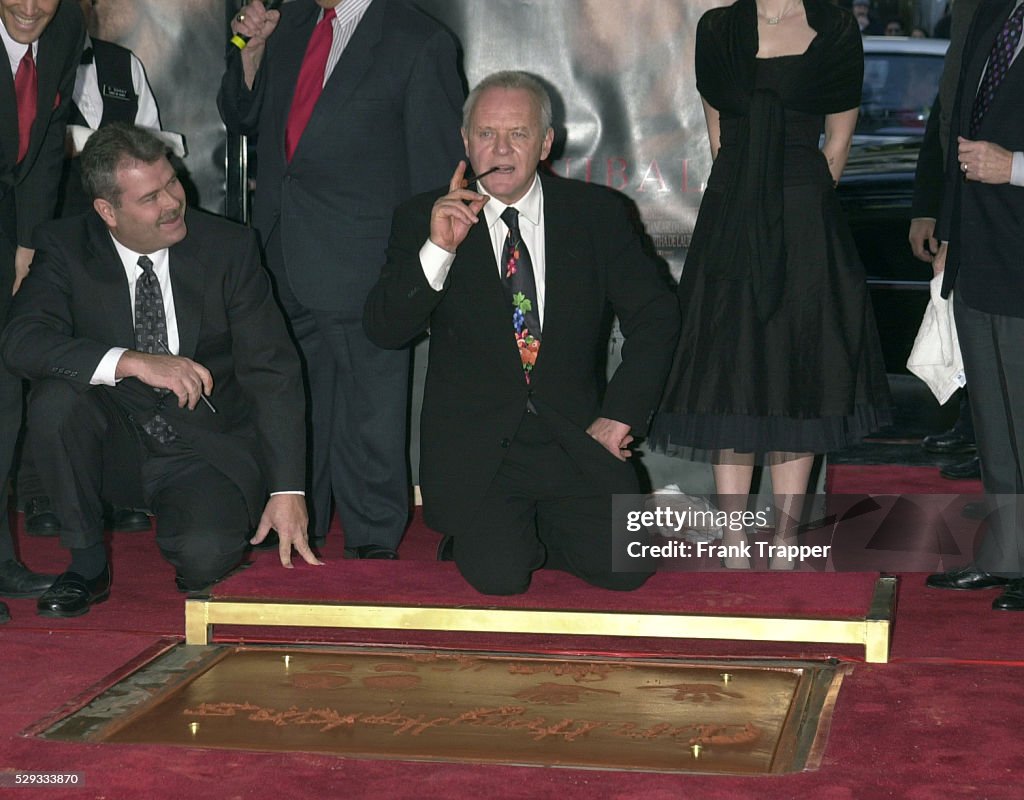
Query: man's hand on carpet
[[286, 514], [614, 436]]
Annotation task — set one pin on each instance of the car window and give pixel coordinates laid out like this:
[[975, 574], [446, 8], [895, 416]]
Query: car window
[[898, 93]]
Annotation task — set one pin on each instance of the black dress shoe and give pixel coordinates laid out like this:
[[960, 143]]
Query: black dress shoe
[[962, 471], [5, 614], [40, 519], [128, 520], [948, 443], [1012, 598], [72, 595], [378, 551], [17, 580], [446, 549], [966, 579]]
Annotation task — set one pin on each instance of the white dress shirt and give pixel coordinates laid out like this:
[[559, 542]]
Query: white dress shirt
[[106, 369], [436, 261]]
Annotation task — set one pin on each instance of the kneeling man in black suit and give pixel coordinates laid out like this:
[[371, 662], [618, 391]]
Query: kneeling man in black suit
[[162, 376], [521, 449]]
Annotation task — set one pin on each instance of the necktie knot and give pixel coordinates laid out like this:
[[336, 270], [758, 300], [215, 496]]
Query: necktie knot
[[146, 264], [510, 216]]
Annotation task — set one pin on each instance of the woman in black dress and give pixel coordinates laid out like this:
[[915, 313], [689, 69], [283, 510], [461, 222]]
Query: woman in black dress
[[779, 356]]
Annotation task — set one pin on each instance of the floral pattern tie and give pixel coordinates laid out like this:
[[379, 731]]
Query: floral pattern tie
[[999, 59], [522, 287], [151, 336]]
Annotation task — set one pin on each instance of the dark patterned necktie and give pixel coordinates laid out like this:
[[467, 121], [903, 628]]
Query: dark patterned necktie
[[151, 336], [999, 60], [518, 278]]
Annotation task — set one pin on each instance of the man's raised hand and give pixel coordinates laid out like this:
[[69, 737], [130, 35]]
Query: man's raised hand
[[455, 213]]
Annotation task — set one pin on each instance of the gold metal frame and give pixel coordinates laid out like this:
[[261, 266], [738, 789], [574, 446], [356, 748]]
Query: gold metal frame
[[873, 630]]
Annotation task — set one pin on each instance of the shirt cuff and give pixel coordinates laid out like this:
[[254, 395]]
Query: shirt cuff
[[106, 370], [435, 262], [1017, 170], [288, 491]]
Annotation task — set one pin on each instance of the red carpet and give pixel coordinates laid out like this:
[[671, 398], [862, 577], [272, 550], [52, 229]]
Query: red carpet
[[939, 722], [893, 479]]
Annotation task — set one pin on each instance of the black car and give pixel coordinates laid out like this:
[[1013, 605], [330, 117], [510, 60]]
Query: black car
[[901, 79]]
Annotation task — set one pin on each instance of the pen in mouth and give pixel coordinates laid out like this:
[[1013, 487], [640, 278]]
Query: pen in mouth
[[484, 174]]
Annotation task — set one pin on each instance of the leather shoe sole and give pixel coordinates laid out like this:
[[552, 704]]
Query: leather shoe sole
[[966, 580], [1012, 599], [73, 595], [965, 470], [375, 551], [40, 519], [948, 444], [44, 524], [128, 520], [17, 580]]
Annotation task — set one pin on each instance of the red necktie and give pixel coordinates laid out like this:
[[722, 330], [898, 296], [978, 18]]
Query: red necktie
[[310, 82], [25, 90]]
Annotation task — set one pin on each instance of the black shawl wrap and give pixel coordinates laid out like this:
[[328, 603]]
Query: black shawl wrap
[[747, 240]]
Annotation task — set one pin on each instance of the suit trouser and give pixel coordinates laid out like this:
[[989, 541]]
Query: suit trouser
[[541, 509], [993, 353], [87, 450], [358, 416]]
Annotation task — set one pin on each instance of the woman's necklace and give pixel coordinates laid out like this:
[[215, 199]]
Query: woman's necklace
[[785, 13]]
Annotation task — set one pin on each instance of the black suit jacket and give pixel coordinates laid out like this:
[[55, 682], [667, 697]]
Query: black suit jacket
[[385, 127], [75, 305], [475, 394], [28, 190], [983, 223]]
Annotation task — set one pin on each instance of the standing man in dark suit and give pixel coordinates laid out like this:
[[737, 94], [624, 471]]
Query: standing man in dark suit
[[355, 104], [42, 40], [521, 450], [135, 321], [981, 228]]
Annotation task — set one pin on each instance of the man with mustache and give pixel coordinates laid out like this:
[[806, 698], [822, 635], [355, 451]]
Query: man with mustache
[[162, 376]]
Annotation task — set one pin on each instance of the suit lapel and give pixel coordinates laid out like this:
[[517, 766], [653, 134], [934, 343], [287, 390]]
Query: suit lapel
[[187, 277], [9, 117], [288, 57], [561, 236], [356, 59], [104, 265]]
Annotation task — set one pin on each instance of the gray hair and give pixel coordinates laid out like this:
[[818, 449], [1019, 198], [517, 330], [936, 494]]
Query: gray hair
[[113, 147], [510, 79]]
